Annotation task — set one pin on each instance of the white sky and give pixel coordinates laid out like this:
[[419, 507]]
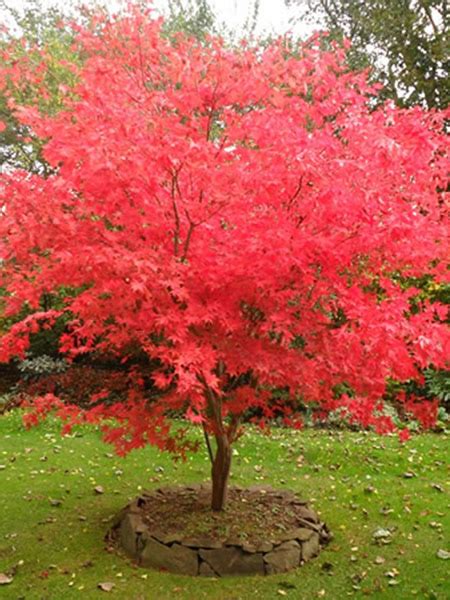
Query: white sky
[[273, 17]]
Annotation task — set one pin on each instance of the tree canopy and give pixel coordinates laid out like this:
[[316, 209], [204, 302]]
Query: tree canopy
[[241, 216]]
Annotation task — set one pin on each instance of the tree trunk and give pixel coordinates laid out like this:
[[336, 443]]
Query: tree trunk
[[220, 472]]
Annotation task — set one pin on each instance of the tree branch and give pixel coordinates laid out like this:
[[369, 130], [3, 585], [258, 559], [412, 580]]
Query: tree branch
[[208, 443], [176, 236], [429, 14], [296, 193]]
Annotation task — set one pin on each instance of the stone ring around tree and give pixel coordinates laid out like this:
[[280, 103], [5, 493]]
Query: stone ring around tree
[[265, 531]]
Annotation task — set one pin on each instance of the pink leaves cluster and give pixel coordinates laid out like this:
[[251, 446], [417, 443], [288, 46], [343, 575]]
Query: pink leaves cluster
[[231, 211]]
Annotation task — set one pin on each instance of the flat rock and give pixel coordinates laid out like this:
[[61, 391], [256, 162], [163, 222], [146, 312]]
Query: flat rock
[[260, 547], [306, 513], [299, 502], [283, 558], [200, 542], [234, 541], [205, 570], [250, 548], [288, 545], [130, 526], [311, 547], [302, 534], [167, 538], [264, 547], [233, 561], [317, 527], [176, 558]]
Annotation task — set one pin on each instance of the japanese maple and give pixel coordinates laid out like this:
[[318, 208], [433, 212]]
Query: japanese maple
[[244, 218]]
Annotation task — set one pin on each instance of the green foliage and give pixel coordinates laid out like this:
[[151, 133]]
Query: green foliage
[[199, 19], [438, 385], [33, 368], [29, 33], [406, 41], [194, 17]]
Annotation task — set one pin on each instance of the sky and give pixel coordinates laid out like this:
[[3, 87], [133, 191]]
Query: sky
[[274, 16]]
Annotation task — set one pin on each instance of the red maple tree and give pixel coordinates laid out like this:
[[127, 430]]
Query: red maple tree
[[244, 217]]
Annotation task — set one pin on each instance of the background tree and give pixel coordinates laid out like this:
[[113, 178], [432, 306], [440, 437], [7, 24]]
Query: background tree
[[200, 19], [237, 214], [195, 17], [406, 41], [34, 33]]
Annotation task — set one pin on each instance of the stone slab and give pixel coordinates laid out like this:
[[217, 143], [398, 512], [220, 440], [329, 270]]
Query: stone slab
[[283, 558], [311, 547], [233, 561], [176, 558]]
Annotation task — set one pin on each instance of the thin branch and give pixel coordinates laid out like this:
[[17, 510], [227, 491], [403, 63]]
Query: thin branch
[[430, 17], [176, 237], [208, 443], [296, 193], [328, 11], [212, 110], [222, 145], [233, 427], [214, 404], [192, 226], [188, 240]]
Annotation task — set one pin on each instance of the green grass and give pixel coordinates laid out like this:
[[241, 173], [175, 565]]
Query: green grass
[[356, 481]]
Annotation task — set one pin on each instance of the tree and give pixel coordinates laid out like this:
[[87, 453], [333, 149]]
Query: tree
[[199, 18], [34, 34], [196, 17], [406, 41], [237, 215]]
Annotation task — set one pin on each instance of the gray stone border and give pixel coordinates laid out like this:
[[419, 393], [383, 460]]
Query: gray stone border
[[210, 558]]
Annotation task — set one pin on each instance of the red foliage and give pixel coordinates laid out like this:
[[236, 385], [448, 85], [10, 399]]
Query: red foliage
[[216, 207]]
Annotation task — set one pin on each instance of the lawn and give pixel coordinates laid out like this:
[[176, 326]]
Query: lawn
[[53, 521]]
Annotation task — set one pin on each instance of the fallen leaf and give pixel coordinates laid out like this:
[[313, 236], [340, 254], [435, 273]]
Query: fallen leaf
[[5, 579], [99, 489], [106, 586], [437, 487], [381, 533], [386, 510]]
